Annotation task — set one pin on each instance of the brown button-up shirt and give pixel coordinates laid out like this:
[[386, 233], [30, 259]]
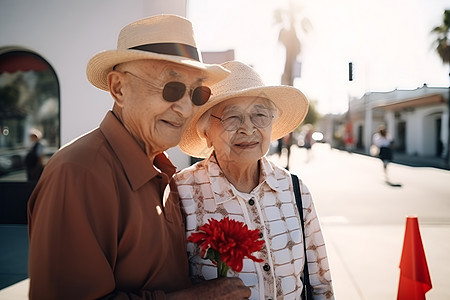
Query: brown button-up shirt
[[102, 221]]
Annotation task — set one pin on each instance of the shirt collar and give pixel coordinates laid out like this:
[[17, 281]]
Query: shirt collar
[[268, 173], [222, 189], [137, 167]]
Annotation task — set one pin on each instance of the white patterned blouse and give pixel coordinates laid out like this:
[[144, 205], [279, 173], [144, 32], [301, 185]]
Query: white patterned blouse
[[205, 193]]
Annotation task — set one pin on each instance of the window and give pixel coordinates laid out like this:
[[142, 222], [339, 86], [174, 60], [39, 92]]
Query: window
[[29, 101]]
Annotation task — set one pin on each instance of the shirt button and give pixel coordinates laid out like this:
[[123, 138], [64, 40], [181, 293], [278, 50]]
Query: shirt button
[[266, 267], [251, 202]]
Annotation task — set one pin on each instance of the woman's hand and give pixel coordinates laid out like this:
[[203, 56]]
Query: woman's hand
[[220, 289]]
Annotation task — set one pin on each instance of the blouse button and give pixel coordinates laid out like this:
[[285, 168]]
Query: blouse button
[[266, 267], [251, 202]]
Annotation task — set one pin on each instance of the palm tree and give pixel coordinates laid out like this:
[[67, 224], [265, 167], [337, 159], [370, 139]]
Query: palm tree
[[288, 37], [287, 18], [442, 44]]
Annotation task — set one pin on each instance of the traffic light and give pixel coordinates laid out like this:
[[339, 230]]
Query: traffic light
[[350, 71]]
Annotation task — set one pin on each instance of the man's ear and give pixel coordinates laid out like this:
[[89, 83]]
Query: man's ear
[[116, 86]]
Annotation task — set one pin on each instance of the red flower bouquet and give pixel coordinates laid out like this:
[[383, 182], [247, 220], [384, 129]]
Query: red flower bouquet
[[226, 243]]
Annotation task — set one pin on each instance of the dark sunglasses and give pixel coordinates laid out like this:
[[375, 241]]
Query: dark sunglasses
[[175, 90]]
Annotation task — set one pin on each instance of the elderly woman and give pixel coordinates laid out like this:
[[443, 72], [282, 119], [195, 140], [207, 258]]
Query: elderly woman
[[233, 131]]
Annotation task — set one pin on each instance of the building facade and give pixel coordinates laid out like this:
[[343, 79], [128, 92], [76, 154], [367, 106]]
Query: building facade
[[417, 120], [61, 36]]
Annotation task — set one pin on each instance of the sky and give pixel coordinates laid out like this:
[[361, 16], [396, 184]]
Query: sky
[[388, 42]]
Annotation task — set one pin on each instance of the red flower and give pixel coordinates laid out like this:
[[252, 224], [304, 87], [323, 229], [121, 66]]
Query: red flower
[[227, 241]]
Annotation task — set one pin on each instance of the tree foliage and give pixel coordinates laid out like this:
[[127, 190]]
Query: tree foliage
[[287, 19], [9, 96], [442, 42], [313, 115]]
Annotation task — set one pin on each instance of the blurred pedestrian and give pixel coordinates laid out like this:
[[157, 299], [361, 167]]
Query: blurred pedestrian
[[287, 143], [34, 160], [349, 140], [279, 147], [383, 140], [308, 141]]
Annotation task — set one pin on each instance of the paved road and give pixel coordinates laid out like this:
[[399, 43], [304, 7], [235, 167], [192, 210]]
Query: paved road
[[363, 219]]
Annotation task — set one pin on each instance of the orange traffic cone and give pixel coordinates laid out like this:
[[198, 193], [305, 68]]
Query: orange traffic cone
[[414, 275]]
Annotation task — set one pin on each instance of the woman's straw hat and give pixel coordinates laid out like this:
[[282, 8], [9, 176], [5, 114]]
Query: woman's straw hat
[[161, 37], [244, 81]]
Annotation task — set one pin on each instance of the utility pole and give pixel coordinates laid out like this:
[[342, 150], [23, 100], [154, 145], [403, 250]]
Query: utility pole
[[349, 141]]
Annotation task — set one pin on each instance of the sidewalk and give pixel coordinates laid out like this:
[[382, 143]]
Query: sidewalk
[[419, 161], [416, 161], [363, 219]]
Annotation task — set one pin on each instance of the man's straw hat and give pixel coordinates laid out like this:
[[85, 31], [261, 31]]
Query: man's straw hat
[[161, 37], [244, 81]]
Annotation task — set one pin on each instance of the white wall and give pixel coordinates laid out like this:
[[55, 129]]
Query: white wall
[[429, 116], [389, 118], [414, 130], [67, 34], [445, 129]]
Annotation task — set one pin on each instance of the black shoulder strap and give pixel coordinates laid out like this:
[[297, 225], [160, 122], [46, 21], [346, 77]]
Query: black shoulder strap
[[298, 200]]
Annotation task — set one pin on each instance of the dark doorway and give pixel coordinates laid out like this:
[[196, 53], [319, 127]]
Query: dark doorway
[[359, 139], [439, 144], [400, 140]]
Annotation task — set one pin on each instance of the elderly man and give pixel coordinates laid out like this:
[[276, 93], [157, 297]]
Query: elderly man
[[103, 222]]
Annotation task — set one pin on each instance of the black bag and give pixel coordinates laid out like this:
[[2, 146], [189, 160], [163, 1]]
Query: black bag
[[307, 291]]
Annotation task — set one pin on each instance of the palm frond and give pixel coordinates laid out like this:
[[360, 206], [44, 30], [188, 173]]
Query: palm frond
[[441, 43]]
